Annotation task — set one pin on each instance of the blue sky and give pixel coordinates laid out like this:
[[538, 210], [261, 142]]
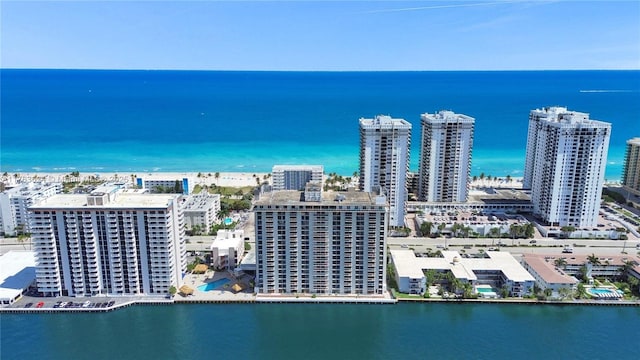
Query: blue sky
[[334, 35]]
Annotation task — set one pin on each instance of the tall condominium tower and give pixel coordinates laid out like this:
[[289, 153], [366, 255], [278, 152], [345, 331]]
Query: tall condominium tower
[[445, 159], [565, 164], [631, 171], [108, 243], [320, 242], [295, 177], [385, 145]]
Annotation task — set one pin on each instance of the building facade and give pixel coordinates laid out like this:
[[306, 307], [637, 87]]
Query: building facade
[[565, 163], [175, 186], [227, 249], [445, 158], [295, 177], [15, 202], [496, 269], [108, 243], [631, 171], [201, 210], [322, 243], [385, 145]]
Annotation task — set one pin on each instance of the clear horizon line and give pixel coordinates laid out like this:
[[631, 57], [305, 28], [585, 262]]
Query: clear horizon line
[[357, 70]]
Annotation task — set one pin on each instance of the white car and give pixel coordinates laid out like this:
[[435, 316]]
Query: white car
[[86, 304]]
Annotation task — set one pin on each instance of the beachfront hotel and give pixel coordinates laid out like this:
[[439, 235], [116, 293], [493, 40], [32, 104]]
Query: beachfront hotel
[[295, 177], [631, 171], [445, 158], [321, 243], [15, 202], [385, 145], [108, 242], [178, 185], [564, 166]]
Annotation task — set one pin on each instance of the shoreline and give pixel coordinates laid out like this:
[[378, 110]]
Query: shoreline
[[227, 178], [230, 179]]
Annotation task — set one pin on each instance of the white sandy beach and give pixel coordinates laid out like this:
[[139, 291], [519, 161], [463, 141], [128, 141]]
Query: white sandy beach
[[232, 179], [235, 179]]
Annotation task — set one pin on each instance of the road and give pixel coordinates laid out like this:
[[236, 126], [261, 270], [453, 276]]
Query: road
[[541, 246]]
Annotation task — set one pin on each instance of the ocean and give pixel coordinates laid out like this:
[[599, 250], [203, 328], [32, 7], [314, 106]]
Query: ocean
[[142, 121], [327, 331]]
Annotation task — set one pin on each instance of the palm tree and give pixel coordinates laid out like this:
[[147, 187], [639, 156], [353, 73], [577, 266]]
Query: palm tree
[[593, 260], [561, 262], [581, 291], [624, 270], [217, 176]]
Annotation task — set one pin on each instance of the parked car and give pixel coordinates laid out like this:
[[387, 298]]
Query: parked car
[[28, 305], [40, 304]]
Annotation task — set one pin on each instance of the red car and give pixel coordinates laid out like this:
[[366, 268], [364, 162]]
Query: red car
[[40, 304]]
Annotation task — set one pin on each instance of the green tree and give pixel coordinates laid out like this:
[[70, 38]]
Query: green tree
[[581, 291], [564, 293], [593, 260], [504, 291], [217, 176], [529, 230], [425, 228], [173, 290], [560, 262]]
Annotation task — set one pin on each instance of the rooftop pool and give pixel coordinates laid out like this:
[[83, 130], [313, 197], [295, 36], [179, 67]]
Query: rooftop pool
[[213, 285]]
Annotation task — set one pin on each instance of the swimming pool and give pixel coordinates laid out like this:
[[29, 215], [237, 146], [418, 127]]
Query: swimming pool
[[485, 290], [604, 293], [213, 285], [228, 221], [599, 291]]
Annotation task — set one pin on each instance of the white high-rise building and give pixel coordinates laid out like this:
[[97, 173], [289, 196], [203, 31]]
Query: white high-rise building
[[108, 243], [321, 242], [295, 177], [201, 210], [385, 145], [445, 157], [631, 171], [15, 202], [565, 164]]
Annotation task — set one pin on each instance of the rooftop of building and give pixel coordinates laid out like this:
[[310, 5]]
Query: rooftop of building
[[201, 201], [294, 197], [31, 189], [545, 267], [557, 115], [385, 121], [17, 272], [493, 195], [579, 260], [122, 200], [444, 116], [408, 265], [226, 239], [634, 141]]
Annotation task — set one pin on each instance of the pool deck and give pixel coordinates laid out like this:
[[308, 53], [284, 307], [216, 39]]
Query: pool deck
[[221, 294]]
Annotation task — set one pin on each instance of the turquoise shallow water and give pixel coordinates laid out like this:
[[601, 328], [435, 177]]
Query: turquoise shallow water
[[133, 121], [332, 331]]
